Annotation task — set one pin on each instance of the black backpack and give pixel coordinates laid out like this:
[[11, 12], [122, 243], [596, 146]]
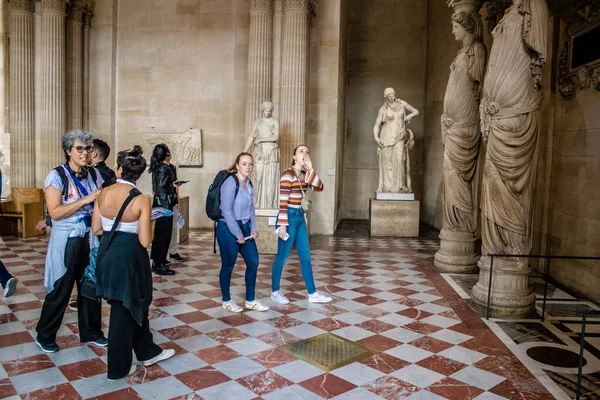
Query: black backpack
[[213, 198]]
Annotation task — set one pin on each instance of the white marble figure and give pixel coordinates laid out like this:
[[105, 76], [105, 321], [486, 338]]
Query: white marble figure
[[460, 124], [395, 140], [264, 136], [510, 118]]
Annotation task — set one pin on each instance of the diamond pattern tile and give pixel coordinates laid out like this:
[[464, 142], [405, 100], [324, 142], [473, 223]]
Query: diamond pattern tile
[[388, 298]]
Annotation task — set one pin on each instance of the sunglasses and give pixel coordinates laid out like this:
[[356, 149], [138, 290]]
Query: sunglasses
[[80, 149]]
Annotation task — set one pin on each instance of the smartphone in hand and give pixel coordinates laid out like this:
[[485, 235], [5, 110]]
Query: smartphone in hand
[[180, 182]]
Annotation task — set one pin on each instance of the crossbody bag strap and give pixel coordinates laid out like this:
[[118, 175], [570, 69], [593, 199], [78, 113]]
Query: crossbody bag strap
[[133, 193], [300, 182]]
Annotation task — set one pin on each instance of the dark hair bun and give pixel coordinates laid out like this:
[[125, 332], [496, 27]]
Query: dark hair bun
[[138, 149]]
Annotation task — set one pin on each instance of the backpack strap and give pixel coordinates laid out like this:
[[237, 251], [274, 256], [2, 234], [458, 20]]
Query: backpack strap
[[94, 175], [64, 180], [237, 189]]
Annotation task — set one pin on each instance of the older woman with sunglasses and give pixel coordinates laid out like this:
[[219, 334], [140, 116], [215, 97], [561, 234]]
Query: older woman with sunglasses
[[68, 253]]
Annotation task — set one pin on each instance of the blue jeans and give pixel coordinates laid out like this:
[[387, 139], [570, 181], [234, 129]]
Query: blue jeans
[[299, 237], [5, 276], [229, 249]]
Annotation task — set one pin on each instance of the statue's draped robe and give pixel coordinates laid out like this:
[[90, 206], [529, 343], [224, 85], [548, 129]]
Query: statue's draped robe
[[510, 120], [460, 129], [392, 155], [266, 163]]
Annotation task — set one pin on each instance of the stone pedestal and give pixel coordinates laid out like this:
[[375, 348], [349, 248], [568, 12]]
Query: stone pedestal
[[394, 218], [183, 234], [511, 295], [265, 224], [457, 253]]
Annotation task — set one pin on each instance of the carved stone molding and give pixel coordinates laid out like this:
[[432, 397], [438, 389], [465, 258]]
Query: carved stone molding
[[76, 12], [21, 5], [584, 16], [495, 12], [87, 17], [300, 5], [261, 5], [53, 5]]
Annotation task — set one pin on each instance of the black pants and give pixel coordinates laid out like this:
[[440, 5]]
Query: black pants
[[162, 239], [89, 314], [124, 334]]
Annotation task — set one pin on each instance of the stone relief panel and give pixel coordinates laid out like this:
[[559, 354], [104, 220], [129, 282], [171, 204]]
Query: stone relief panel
[[186, 147], [579, 63]]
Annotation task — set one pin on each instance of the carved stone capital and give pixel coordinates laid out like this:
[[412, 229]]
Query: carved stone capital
[[261, 5], [465, 6], [53, 5], [297, 5], [87, 17], [21, 5], [76, 11]]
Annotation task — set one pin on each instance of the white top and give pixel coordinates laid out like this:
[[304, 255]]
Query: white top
[[128, 227]]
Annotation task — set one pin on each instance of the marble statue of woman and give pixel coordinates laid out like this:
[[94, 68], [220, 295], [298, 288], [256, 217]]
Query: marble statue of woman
[[394, 140], [264, 136], [460, 124], [510, 119]]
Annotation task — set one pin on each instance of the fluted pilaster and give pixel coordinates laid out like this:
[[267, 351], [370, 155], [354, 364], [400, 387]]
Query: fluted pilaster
[[52, 85], [87, 26], [21, 93], [294, 77], [74, 66], [260, 58]]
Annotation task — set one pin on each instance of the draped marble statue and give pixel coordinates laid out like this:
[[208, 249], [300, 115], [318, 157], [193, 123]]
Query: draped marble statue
[[264, 135], [510, 118], [461, 139], [395, 141]]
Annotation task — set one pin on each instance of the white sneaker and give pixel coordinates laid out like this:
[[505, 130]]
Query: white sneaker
[[317, 297], [168, 353], [255, 305], [232, 307], [11, 287], [279, 298]]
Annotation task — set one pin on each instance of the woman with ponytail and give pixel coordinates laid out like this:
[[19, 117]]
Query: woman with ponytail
[[123, 277], [165, 195]]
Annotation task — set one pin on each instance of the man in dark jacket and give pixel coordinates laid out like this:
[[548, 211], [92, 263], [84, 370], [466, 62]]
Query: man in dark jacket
[[100, 152]]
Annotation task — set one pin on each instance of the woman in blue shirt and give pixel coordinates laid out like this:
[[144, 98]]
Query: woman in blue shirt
[[236, 232]]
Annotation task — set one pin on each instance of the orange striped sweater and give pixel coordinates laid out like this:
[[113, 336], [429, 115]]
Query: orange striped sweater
[[290, 193]]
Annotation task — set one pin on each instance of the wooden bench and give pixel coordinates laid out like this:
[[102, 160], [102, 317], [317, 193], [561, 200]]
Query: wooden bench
[[26, 206]]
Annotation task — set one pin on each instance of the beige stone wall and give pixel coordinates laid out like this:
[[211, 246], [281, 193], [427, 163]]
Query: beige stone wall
[[386, 47], [574, 218]]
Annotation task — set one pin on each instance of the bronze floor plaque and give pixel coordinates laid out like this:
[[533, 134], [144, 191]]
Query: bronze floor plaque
[[327, 351]]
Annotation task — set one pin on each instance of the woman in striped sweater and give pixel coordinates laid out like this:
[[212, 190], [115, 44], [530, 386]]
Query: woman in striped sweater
[[291, 222]]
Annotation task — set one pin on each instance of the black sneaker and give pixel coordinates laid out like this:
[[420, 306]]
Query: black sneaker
[[11, 287], [101, 342], [47, 347], [176, 257], [162, 269]]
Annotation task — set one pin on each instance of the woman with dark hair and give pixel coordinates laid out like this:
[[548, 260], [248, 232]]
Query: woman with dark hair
[[123, 276], [236, 232], [292, 226], [70, 209], [165, 195]]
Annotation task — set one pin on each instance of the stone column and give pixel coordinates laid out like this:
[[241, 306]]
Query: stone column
[[87, 26], [260, 58], [294, 77], [52, 85], [74, 66], [21, 93], [461, 137]]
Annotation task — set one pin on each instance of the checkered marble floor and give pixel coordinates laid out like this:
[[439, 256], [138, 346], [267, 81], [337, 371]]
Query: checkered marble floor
[[428, 344]]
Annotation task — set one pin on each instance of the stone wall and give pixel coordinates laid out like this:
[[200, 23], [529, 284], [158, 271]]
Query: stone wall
[[386, 47]]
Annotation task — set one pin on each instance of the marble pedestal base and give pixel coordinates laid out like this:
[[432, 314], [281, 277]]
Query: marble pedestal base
[[267, 238], [511, 295], [456, 253], [394, 218]]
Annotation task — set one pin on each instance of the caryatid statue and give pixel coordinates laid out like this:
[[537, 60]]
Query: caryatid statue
[[461, 139], [510, 119], [395, 140], [264, 135]]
